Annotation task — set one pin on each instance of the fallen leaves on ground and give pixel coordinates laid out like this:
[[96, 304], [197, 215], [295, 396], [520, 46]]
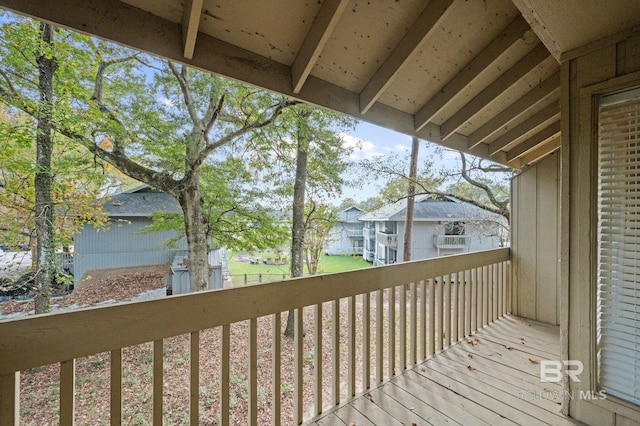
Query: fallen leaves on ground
[[40, 386]]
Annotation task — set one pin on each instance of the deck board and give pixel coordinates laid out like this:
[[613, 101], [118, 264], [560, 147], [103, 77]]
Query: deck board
[[493, 380]]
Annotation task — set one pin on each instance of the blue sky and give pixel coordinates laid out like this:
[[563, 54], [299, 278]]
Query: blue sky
[[378, 141]]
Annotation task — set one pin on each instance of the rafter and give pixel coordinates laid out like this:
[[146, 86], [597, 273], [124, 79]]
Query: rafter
[[510, 77], [551, 131], [547, 90], [401, 53], [549, 113], [538, 26], [537, 153], [479, 63], [323, 25], [190, 25], [140, 30]]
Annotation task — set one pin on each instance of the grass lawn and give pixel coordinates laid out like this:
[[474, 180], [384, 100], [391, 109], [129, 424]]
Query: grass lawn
[[266, 273]]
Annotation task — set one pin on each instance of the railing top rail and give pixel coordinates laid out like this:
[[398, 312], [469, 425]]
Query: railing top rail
[[41, 340]]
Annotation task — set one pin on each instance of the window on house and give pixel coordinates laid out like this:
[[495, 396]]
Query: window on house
[[618, 251], [454, 228]]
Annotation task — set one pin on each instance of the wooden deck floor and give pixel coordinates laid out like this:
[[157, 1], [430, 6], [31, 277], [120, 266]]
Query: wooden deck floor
[[489, 379]]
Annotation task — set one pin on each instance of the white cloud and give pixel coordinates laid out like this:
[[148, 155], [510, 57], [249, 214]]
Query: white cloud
[[361, 149]]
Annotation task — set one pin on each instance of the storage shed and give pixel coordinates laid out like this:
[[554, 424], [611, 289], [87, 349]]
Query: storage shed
[[179, 278]]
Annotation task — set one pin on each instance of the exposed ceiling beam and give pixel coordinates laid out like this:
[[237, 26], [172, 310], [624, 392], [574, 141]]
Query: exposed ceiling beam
[[542, 117], [537, 153], [146, 32], [479, 63], [510, 77], [547, 90], [323, 25], [551, 131], [190, 25], [538, 26], [401, 53]]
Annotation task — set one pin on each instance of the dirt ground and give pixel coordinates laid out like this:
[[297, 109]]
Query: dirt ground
[[100, 285]]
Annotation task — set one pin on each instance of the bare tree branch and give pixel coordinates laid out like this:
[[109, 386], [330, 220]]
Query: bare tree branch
[[181, 76]]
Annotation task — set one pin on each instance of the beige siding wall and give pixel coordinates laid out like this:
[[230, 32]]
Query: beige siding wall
[[598, 69], [535, 243]]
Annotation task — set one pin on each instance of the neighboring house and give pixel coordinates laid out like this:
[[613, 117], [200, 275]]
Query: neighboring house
[[345, 238], [441, 226], [124, 244]]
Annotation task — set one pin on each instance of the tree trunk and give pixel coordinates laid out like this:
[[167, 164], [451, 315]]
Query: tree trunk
[[297, 227], [44, 206], [194, 225], [413, 172]]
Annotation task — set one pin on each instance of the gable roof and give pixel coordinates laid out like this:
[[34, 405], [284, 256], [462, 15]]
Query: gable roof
[[140, 202], [430, 208], [350, 214]]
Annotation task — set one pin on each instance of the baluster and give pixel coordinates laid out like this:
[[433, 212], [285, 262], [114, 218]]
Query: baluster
[[413, 319], [366, 341], [455, 314], [402, 327], [67, 392], [500, 293], [116, 387], [351, 350], [298, 366], [485, 296], [423, 320], [379, 338], [468, 301], [253, 371], [440, 313], [317, 355], [10, 399], [494, 285], [392, 332], [431, 347], [194, 382], [275, 372], [158, 381], [446, 307], [225, 353], [335, 337]]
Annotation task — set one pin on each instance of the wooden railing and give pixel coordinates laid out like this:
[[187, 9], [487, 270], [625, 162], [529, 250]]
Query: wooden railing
[[363, 328]]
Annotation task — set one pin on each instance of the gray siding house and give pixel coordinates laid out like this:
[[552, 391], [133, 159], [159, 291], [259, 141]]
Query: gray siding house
[[346, 236], [123, 244], [441, 226]]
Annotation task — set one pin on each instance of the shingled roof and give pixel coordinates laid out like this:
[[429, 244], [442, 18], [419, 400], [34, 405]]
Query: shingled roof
[[140, 202], [429, 208]]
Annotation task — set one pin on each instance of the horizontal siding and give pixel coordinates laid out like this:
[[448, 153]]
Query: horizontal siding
[[121, 245]]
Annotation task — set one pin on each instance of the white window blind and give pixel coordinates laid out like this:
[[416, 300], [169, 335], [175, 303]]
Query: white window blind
[[619, 245]]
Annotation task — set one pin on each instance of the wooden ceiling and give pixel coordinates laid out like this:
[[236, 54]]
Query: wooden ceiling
[[481, 76]]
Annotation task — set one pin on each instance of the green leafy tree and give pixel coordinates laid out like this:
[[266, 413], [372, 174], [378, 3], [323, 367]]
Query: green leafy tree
[[305, 149], [41, 200], [157, 122], [319, 220]]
